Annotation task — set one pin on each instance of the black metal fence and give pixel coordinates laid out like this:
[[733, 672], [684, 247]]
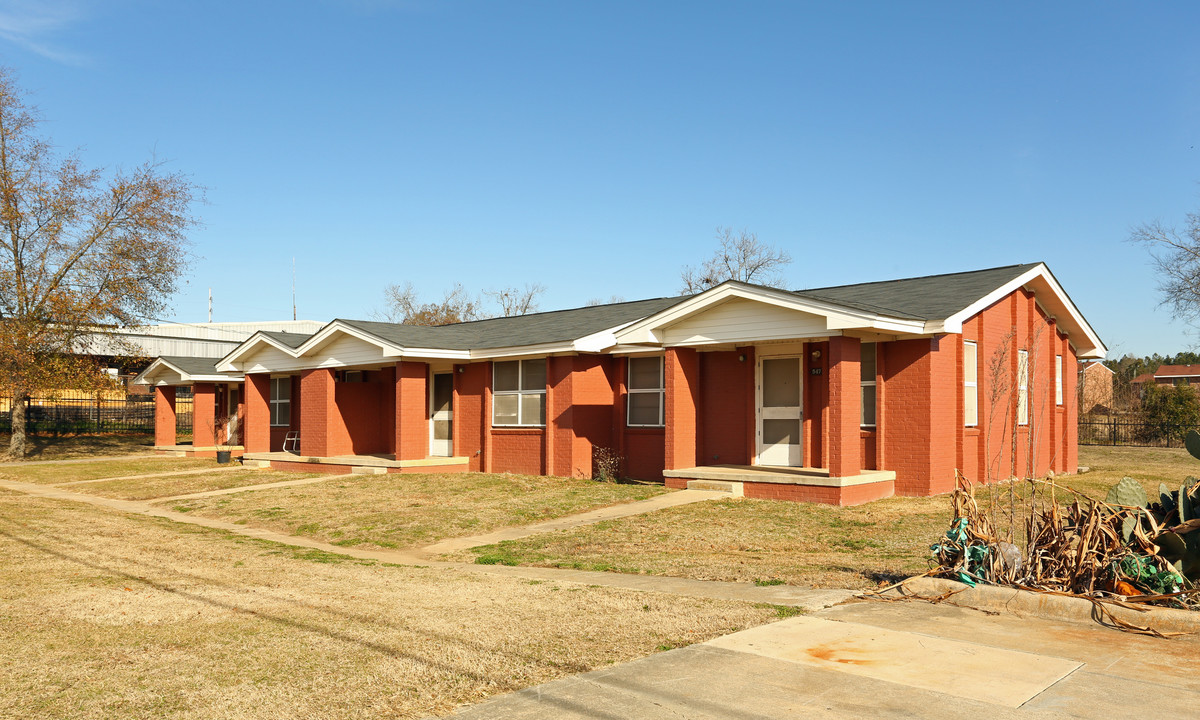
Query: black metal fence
[[1115, 431], [83, 415]]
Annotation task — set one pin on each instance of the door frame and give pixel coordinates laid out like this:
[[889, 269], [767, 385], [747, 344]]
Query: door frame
[[796, 453], [441, 448]]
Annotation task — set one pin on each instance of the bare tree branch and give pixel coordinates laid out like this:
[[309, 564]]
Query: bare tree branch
[[739, 256]]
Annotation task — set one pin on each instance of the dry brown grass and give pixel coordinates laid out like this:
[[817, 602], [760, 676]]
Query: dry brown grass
[[108, 615], [393, 511], [66, 447], [799, 543], [149, 488], [69, 472]]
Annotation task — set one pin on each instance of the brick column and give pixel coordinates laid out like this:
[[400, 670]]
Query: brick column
[[256, 427], [412, 410], [204, 414], [164, 415], [844, 456], [682, 370], [316, 411]]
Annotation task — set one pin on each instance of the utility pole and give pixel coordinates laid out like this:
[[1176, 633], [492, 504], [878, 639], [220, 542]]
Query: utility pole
[[210, 304], [293, 287]]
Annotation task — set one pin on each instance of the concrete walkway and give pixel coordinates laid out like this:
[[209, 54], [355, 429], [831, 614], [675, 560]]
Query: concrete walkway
[[640, 507], [882, 660], [808, 599], [145, 476]]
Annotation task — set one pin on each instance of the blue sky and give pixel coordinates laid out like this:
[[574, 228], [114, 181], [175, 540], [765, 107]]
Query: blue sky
[[596, 147]]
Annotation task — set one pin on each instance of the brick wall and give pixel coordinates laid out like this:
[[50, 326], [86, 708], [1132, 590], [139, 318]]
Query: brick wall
[[845, 407], [164, 415], [682, 374], [411, 414], [727, 418], [517, 451], [469, 429], [204, 413], [256, 428], [316, 407]]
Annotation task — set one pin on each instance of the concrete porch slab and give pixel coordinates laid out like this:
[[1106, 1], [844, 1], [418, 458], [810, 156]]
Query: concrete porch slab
[[358, 461], [779, 475]]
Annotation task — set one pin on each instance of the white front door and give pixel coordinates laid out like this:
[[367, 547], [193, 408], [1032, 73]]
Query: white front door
[[780, 411], [441, 415], [232, 429]]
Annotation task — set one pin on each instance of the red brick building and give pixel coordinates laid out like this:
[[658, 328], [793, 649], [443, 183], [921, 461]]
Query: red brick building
[[839, 395]]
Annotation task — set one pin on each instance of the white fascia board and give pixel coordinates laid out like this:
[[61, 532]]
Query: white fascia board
[[524, 351], [435, 353], [337, 327], [599, 341], [251, 344], [150, 376], [838, 317], [1039, 273]]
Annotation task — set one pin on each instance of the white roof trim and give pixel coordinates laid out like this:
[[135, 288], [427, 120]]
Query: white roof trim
[[1091, 346], [647, 331], [251, 344], [328, 332], [147, 376]]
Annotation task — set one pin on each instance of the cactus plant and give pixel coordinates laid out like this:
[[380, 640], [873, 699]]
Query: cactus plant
[[1128, 492]]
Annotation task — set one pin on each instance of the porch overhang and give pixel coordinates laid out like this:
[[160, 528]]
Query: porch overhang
[[744, 314], [168, 372]]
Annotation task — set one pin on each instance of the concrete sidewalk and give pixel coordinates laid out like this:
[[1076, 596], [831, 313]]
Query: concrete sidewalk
[[883, 660]]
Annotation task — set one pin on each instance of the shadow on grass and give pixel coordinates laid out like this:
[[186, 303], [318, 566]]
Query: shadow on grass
[[62, 447]]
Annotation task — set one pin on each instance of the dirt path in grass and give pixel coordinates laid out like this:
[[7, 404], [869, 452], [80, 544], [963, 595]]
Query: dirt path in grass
[[809, 599], [143, 476]]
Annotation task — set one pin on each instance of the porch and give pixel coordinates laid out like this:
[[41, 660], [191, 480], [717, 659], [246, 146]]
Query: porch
[[198, 451], [369, 464], [803, 484]]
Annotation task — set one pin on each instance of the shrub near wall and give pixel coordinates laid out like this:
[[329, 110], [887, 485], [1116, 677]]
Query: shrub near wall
[[1168, 412]]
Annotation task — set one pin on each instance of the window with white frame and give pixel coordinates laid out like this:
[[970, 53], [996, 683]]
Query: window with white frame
[[866, 366], [645, 405], [1022, 387], [281, 401], [519, 393], [1058, 378], [970, 384]]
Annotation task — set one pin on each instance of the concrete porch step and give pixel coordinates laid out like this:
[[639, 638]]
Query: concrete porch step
[[733, 488], [368, 470]]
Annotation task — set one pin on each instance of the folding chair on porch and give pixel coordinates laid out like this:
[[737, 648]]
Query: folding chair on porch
[[292, 438]]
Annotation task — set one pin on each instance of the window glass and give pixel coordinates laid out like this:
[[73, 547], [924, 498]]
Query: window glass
[[970, 384], [533, 409], [867, 362], [781, 432], [533, 374], [868, 404], [781, 382], [644, 408], [505, 409], [505, 375], [645, 373], [1023, 387]]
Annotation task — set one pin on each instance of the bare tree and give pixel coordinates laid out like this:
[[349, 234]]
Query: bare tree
[[517, 301], [1176, 257], [405, 307], [612, 300], [739, 256], [79, 252]]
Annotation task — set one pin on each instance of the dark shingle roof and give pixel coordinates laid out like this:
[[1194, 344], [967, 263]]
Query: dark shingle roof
[[292, 340], [193, 365], [932, 297], [534, 329]]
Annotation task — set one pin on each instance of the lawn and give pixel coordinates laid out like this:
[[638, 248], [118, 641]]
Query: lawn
[[111, 615], [798, 543], [66, 447], [158, 487], [398, 511], [53, 473]]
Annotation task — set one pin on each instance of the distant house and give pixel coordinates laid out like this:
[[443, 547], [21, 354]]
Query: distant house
[[1095, 387], [1177, 374], [838, 395]]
